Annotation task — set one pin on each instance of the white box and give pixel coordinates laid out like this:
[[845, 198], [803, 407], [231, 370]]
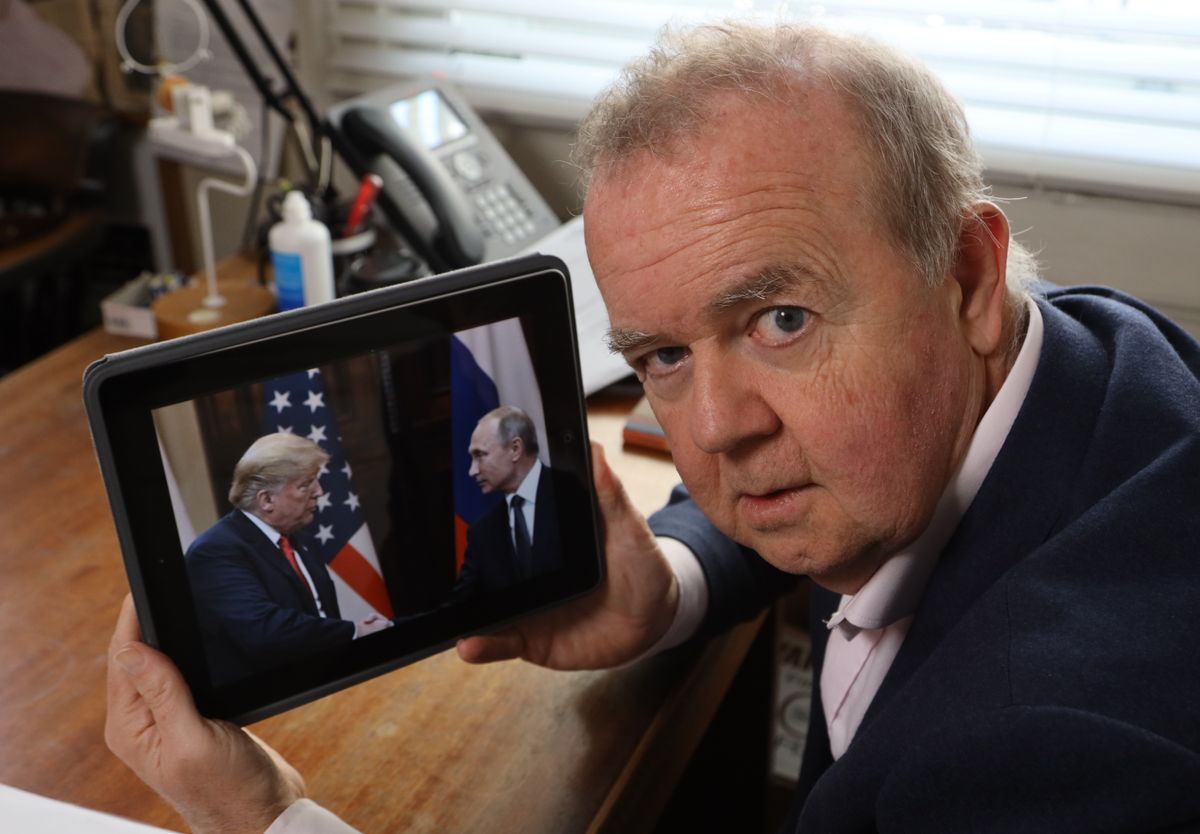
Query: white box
[[127, 311]]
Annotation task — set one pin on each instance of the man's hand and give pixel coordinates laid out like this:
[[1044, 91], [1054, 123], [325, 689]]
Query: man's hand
[[371, 624], [219, 778], [621, 620]]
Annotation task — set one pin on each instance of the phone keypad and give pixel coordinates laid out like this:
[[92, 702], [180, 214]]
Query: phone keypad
[[502, 213]]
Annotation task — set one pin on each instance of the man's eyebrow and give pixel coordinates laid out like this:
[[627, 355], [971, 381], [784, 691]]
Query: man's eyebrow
[[624, 341], [762, 286]]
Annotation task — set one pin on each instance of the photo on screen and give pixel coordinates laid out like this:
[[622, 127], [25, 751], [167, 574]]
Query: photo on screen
[[405, 517]]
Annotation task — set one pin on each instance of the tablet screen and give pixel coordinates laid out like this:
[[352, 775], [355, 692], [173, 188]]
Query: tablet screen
[[312, 507]]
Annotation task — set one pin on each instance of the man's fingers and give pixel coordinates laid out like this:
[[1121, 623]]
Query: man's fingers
[[127, 714], [127, 630], [157, 681], [504, 645], [150, 690], [610, 492]]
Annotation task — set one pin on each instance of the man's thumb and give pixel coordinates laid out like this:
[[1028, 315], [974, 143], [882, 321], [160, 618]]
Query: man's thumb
[[160, 685], [131, 660], [610, 492]]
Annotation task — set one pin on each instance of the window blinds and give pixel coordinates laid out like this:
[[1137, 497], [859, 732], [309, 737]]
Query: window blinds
[[1103, 94]]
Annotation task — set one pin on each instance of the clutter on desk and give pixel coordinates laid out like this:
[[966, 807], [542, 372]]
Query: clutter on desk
[[128, 312], [243, 299], [364, 253]]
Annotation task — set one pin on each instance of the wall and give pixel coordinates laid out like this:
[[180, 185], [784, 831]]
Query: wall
[[1144, 248]]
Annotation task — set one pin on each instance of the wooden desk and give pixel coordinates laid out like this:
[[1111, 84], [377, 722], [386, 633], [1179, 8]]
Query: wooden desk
[[437, 747]]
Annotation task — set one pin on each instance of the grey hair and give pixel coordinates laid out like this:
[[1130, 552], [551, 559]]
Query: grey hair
[[270, 462], [926, 172], [513, 422]]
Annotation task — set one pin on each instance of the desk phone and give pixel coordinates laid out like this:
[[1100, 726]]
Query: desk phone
[[449, 187]]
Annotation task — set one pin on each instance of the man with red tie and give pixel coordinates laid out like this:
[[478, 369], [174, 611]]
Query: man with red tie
[[263, 597]]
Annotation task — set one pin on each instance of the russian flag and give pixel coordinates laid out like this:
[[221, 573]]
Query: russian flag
[[490, 366]]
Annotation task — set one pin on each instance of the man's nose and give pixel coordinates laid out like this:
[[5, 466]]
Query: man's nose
[[727, 407], [474, 468]]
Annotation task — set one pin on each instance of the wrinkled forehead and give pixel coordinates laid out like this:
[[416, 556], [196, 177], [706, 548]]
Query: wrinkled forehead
[[765, 173], [800, 119], [743, 145]]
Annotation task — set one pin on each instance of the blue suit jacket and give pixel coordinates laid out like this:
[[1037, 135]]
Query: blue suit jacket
[[1050, 680], [254, 611]]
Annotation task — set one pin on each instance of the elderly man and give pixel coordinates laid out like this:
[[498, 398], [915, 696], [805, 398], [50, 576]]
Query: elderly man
[[518, 538], [994, 493], [263, 597]]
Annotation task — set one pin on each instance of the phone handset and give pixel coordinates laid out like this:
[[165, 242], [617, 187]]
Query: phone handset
[[457, 240]]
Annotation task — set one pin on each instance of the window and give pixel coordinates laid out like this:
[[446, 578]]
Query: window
[[1103, 94]]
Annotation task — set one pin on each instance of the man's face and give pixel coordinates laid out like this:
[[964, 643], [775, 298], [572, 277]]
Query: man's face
[[815, 393], [293, 505], [493, 464]]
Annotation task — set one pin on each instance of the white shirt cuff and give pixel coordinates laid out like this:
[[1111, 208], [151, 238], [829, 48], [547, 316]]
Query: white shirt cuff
[[693, 595], [307, 817]]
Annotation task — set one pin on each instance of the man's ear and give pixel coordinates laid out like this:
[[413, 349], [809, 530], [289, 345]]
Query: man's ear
[[264, 500], [979, 273], [517, 447]]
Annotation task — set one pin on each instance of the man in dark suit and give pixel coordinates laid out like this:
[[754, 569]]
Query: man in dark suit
[[993, 489], [263, 597], [518, 538]]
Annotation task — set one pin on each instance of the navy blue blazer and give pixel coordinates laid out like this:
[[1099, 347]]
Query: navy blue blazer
[[254, 611], [1050, 681], [490, 561]]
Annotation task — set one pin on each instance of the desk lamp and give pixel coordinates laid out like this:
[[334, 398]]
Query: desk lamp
[[189, 128]]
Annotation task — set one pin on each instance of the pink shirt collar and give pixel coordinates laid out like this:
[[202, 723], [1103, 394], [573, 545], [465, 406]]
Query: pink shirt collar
[[893, 592]]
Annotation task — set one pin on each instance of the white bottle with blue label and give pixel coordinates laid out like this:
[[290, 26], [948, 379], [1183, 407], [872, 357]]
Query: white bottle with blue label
[[300, 253]]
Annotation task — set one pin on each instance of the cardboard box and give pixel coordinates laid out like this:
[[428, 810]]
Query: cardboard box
[[127, 311]]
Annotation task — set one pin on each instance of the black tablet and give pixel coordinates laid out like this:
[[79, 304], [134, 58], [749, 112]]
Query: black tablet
[[316, 497]]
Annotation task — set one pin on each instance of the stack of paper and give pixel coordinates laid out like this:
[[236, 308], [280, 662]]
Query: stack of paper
[[33, 814]]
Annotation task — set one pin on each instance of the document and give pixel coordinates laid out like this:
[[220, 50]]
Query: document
[[33, 814], [598, 365]]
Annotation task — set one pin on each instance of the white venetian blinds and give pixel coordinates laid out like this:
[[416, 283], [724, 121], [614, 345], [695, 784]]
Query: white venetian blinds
[[1103, 93]]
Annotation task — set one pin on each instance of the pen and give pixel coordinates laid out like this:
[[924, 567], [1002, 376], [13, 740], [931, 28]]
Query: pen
[[367, 191]]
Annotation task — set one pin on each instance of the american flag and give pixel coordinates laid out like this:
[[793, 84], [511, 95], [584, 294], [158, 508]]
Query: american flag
[[296, 403]]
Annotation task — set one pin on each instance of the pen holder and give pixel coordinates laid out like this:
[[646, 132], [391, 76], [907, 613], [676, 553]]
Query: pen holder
[[371, 259], [349, 251]]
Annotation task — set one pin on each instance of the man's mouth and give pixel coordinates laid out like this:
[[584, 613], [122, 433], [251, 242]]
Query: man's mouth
[[772, 507]]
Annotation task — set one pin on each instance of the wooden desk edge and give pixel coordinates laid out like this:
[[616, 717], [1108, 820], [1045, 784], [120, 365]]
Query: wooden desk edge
[[640, 792]]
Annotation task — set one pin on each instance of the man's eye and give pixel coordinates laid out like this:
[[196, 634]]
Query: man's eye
[[779, 325], [660, 360], [664, 358]]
